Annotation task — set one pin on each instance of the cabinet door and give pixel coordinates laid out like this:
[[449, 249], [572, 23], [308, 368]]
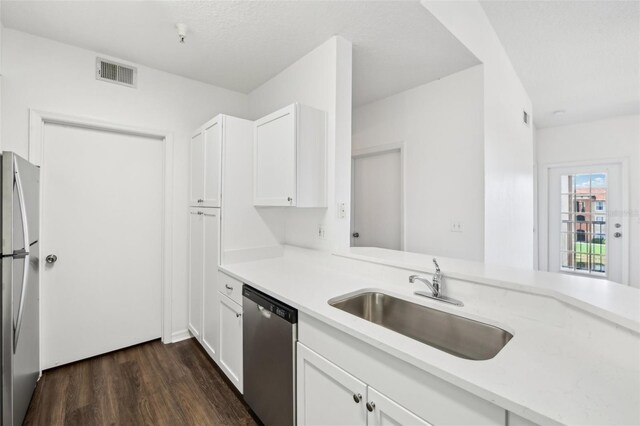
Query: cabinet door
[[384, 412], [231, 340], [196, 270], [275, 159], [326, 394], [196, 169], [211, 326], [212, 163]]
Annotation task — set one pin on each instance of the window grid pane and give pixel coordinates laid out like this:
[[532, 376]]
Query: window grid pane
[[583, 216]]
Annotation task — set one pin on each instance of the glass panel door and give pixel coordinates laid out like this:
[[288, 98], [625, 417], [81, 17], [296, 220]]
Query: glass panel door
[[586, 234], [583, 216]]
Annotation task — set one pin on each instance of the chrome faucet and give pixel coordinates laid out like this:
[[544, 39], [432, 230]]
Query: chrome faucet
[[435, 285]]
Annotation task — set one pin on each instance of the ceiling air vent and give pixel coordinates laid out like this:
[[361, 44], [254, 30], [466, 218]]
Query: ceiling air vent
[[116, 73]]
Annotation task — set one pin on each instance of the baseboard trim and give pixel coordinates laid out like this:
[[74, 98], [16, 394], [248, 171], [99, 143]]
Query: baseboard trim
[[178, 336]]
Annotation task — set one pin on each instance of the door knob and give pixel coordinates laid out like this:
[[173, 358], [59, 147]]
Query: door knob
[[51, 259], [371, 406], [357, 398], [618, 234], [355, 235]]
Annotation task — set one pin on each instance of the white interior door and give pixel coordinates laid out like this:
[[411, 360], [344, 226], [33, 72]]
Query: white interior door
[[102, 213], [377, 200], [587, 234]]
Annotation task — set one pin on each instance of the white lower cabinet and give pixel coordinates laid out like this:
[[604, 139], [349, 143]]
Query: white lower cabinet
[[386, 412], [210, 317], [196, 271], [328, 395], [230, 349]]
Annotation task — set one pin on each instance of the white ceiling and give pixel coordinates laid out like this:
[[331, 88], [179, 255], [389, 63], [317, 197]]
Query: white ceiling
[[240, 45], [578, 56]]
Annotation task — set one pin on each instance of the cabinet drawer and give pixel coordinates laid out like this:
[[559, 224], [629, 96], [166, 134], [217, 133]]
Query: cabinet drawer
[[230, 287]]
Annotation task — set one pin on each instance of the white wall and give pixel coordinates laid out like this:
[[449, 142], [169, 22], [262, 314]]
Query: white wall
[[612, 138], [441, 126], [321, 79], [54, 77], [508, 144]]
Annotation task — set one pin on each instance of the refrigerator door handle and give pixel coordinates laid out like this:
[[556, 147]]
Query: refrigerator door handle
[[25, 233]]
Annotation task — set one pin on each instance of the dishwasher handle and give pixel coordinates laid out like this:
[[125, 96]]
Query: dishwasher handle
[[264, 312]]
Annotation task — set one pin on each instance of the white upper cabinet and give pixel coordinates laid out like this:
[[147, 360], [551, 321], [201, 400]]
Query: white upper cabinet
[[205, 164], [196, 169], [290, 158]]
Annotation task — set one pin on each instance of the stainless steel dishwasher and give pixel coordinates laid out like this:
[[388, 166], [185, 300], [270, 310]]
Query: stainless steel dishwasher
[[269, 346]]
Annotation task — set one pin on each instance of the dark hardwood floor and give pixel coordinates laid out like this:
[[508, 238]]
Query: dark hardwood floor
[[148, 384]]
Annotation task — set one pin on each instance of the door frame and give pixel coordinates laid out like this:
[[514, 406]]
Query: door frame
[[378, 150], [37, 121], [543, 208]]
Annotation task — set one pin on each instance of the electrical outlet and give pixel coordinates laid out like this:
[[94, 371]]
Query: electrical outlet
[[321, 234], [456, 225], [342, 211]]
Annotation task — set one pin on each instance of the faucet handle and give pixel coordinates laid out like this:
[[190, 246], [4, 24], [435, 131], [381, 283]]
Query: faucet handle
[[435, 262]]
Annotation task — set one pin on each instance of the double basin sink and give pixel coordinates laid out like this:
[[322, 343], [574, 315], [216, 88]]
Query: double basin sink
[[456, 335]]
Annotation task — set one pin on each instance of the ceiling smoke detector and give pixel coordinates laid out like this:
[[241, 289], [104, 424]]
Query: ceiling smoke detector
[[559, 112], [182, 32]]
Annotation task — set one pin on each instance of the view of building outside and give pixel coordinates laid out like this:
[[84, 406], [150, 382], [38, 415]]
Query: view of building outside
[[584, 223]]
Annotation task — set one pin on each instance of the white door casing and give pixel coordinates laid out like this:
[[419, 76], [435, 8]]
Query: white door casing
[[378, 198], [617, 248], [162, 180]]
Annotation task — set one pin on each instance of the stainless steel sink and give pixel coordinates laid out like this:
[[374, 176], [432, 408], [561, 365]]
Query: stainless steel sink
[[459, 336]]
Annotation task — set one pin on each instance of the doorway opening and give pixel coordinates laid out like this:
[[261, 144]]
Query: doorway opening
[[586, 223], [108, 219], [377, 192]]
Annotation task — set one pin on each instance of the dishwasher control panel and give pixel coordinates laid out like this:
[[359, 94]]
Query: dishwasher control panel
[[272, 305]]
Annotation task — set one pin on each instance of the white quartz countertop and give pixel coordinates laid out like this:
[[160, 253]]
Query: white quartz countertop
[[544, 374], [612, 301]]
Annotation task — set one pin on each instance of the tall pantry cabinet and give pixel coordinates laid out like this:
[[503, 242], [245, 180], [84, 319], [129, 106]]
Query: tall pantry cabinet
[[208, 307]]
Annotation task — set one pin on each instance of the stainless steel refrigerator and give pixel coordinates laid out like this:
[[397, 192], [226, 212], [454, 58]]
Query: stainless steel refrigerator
[[20, 341]]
